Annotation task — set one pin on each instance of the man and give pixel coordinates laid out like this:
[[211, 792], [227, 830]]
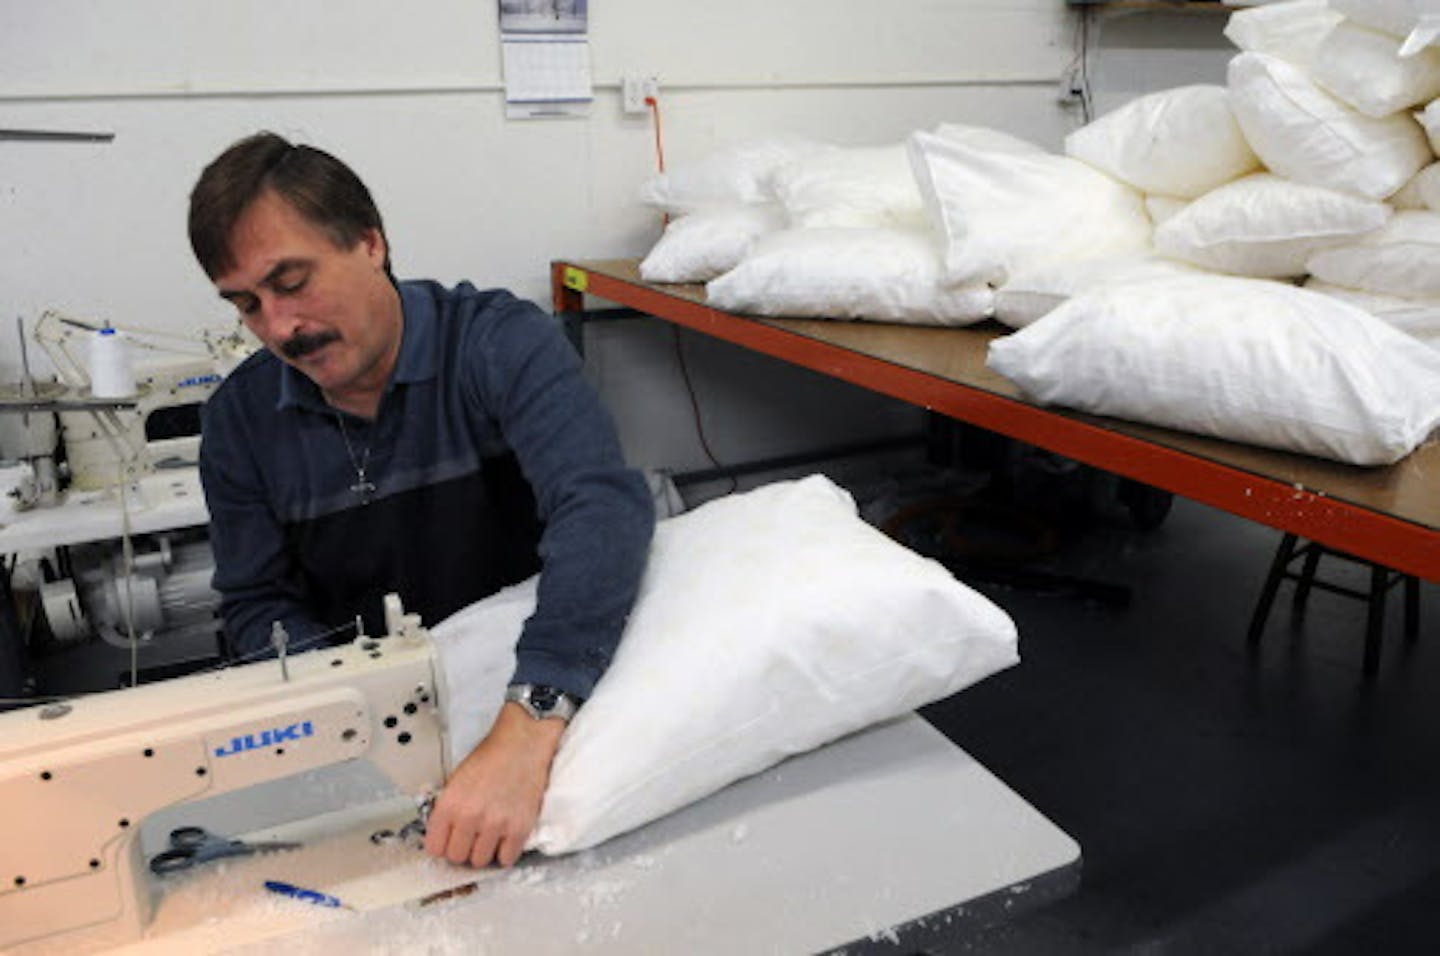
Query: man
[[400, 436]]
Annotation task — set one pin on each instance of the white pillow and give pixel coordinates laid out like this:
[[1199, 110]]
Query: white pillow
[[702, 245], [1291, 31], [987, 138], [1421, 192], [1427, 185], [1243, 359], [888, 275], [1412, 20], [1364, 69], [735, 175], [1402, 259], [1303, 133], [773, 621], [1430, 118], [1265, 226], [1033, 293], [854, 187], [1181, 142], [1000, 211], [1161, 208], [1417, 317]]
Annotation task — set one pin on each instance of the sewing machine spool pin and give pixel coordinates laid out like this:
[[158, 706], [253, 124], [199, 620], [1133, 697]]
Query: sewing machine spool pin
[[280, 640]]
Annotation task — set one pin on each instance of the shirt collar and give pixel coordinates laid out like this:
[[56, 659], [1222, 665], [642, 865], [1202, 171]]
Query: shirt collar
[[417, 361]]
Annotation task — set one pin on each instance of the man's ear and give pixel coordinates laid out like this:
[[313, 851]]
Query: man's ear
[[377, 249]]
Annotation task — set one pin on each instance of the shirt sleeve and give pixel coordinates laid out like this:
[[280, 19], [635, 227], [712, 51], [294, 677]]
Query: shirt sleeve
[[598, 513], [253, 571]]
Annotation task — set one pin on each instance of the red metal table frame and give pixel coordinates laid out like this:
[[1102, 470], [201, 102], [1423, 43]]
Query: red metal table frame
[[1389, 515]]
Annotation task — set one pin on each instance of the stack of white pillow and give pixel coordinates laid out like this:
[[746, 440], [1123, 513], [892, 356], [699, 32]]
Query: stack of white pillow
[[790, 227], [1312, 164], [1315, 164]]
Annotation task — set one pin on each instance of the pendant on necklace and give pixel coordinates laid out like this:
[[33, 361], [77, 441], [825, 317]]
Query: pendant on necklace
[[363, 487]]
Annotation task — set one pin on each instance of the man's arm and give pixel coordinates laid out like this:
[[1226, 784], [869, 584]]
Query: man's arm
[[598, 521], [492, 800]]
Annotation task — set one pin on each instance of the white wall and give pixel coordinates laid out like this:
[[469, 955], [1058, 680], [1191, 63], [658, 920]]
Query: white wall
[[1138, 52], [411, 97]]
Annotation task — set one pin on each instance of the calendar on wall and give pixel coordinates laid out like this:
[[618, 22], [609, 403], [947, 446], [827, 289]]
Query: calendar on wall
[[545, 52]]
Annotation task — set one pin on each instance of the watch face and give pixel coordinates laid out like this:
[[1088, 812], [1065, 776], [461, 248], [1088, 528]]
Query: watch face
[[544, 698]]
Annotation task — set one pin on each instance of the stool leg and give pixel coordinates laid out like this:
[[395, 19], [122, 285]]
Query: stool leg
[[1281, 561], [1375, 620], [1307, 577], [1412, 609]]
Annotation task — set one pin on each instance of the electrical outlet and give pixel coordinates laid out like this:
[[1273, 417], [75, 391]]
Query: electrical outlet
[[635, 88]]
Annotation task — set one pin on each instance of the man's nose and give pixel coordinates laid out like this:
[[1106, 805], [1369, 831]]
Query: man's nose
[[278, 315]]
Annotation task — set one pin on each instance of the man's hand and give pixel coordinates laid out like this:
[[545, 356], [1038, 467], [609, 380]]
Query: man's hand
[[491, 802]]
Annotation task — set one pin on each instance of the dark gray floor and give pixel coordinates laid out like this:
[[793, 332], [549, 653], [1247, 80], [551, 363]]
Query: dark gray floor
[[1223, 804]]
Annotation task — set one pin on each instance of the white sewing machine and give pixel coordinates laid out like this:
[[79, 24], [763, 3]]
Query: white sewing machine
[[175, 375], [893, 834], [77, 779]]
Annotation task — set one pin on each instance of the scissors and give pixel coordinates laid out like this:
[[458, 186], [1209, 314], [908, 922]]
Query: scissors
[[190, 846]]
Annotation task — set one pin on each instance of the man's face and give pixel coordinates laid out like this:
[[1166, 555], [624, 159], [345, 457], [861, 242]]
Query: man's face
[[329, 312]]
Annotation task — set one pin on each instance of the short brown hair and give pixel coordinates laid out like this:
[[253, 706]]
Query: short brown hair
[[321, 188]]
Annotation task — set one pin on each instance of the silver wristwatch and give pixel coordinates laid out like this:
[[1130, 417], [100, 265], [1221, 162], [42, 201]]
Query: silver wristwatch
[[541, 701]]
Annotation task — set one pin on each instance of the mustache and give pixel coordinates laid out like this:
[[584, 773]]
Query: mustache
[[301, 344]]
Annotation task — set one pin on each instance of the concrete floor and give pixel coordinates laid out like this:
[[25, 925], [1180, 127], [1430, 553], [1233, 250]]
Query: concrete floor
[[1223, 803]]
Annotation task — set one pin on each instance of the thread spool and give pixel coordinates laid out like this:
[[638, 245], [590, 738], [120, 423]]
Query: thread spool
[[111, 373]]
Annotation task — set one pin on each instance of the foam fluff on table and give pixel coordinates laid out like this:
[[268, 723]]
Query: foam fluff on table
[[768, 623]]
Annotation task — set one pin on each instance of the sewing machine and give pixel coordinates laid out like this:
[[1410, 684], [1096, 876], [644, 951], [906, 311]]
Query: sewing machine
[[175, 374], [123, 589], [78, 778], [163, 425], [889, 838]]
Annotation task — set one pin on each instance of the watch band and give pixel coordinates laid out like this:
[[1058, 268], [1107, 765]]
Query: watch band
[[541, 701]]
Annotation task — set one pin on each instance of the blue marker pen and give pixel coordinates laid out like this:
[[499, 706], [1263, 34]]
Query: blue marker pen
[[307, 896]]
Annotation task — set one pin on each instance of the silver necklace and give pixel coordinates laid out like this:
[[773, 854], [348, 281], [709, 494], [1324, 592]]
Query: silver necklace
[[363, 486]]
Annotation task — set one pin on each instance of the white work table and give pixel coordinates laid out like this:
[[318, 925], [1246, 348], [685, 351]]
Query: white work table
[[167, 499], [890, 840]]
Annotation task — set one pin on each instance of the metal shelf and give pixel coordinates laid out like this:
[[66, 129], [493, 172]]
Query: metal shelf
[[53, 397]]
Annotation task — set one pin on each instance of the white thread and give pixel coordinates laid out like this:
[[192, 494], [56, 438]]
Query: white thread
[[111, 373]]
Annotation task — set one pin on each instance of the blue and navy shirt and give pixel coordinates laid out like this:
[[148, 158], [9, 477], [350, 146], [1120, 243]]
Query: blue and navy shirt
[[491, 458]]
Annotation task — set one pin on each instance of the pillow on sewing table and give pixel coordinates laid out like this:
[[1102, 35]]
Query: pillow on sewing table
[[768, 623]]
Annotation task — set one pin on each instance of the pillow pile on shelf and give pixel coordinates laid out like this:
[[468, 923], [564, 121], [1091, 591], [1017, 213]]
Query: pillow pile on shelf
[[1314, 166]]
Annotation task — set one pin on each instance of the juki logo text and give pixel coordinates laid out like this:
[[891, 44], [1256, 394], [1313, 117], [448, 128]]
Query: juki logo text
[[266, 738]]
